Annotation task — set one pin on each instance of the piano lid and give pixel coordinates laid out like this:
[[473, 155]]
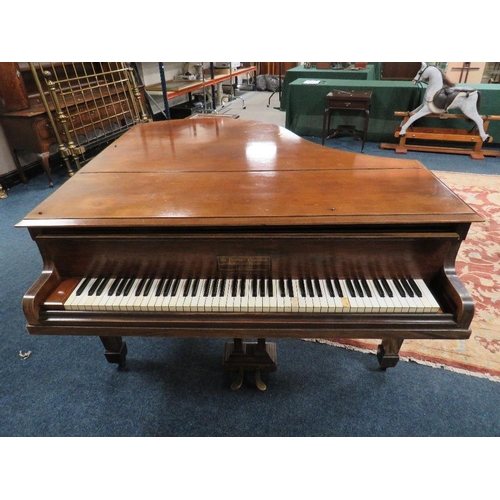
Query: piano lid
[[285, 181], [224, 144]]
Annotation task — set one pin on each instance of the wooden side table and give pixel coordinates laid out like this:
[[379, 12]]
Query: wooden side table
[[353, 101]]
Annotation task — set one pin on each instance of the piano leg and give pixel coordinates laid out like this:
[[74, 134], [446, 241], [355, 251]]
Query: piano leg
[[388, 353], [116, 350], [250, 357]]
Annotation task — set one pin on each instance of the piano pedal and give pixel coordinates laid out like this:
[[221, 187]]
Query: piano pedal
[[239, 380], [258, 381], [253, 357]]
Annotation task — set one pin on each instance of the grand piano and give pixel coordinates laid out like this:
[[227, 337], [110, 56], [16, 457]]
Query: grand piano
[[224, 228]]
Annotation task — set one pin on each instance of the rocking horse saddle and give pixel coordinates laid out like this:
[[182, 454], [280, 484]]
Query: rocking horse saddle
[[444, 98]]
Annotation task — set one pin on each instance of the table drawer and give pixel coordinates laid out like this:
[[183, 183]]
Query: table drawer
[[350, 104]]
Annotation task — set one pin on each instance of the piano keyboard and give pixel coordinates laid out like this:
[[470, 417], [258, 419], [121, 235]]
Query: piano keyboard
[[253, 295]]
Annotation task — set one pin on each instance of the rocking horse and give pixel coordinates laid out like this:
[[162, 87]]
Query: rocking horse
[[441, 95]]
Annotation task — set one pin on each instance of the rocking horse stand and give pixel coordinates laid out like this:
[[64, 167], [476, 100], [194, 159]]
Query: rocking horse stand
[[444, 135], [440, 96]]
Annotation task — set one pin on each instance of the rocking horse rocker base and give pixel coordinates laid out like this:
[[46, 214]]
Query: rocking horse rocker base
[[428, 134]]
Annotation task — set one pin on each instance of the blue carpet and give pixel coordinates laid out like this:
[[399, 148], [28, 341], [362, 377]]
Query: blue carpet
[[176, 387]]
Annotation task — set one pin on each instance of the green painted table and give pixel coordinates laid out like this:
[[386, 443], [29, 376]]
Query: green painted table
[[306, 104], [372, 72]]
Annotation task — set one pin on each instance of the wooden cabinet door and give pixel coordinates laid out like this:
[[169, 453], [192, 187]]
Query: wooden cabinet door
[[399, 70]]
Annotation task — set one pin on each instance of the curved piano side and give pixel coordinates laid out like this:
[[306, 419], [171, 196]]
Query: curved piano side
[[39, 291], [454, 293]]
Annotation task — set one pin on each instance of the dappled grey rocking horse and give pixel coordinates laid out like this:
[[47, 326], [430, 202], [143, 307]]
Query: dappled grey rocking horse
[[441, 95]]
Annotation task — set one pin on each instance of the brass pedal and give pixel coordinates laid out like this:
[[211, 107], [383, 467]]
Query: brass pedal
[[253, 357]]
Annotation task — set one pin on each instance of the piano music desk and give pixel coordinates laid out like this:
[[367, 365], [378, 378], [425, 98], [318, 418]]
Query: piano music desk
[[242, 230]]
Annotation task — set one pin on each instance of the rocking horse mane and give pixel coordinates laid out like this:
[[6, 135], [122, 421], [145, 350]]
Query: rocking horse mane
[[446, 81]]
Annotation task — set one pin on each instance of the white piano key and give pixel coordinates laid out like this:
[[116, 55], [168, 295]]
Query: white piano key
[[198, 304], [274, 298], [101, 304], [400, 305], [129, 302], [431, 304], [149, 304], [312, 302], [356, 304], [83, 302], [73, 298], [379, 304], [157, 297]]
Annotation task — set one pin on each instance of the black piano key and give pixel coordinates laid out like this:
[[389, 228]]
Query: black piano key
[[399, 287], [282, 287], [121, 286], [196, 284], [407, 287], [357, 285], [379, 288], [350, 287], [159, 288], [387, 288], [82, 287], [128, 286], [222, 288], [114, 286], [187, 286], [234, 288], [93, 288], [302, 287], [310, 288], [242, 287], [206, 290], [175, 286], [168, 285], [336, 281], [148, 286], [329, 287], [215, 287], [102, 286], [290, 287], [317, 286], [415, 287], [254, 288], [139, 288], [366, 288], [270, 290]]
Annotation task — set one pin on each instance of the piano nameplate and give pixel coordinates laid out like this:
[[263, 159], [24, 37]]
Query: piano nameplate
[[244, 263]]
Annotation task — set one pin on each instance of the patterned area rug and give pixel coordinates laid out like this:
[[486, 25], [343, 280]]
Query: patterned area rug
[[478, 265]]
